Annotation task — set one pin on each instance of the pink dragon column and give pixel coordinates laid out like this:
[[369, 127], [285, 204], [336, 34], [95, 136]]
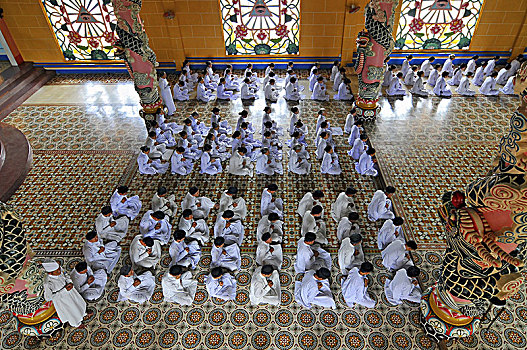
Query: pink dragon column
[[374, 44]]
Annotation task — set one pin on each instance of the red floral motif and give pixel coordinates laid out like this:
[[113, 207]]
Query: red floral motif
[[261, 35], [74, 37], [284, 2], [234, 2], [418, 4], [282, 31], [283, 11], [237, 11], [464, 5], [93, 42], [108, 36], [416, 25], [457, 25], [241, 31], [435, 29]]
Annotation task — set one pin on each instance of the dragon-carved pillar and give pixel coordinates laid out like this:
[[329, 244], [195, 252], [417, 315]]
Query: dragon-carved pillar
[[374, 44]]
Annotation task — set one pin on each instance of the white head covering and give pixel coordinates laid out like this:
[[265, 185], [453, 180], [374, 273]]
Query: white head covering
[[50, 265]]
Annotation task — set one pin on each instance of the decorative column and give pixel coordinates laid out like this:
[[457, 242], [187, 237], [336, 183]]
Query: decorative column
[[485, 227], [140, 59], [374, 44]]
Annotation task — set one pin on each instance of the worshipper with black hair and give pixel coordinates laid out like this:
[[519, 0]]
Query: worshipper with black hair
[[348, 226], [321, 143], [155, 224], [270, 203], [389, 232], [343, 205], [395, 256], [208, 165], [366, 164], [270, 224], [266, 164], [221, 285], [269, 252], [226, 256], [350, 253], [403, 286], [441, 88], [426, 66], [419, 88], [230, 229], [396, 87], [359, 147], [166, 94], [265, 286], [145, 252], [230, 200], [298, 160], [58, 287], [352, 126], [158, 149], [164, 202], [195, 228], [178, 286], [355, 286], [314, 289], [330, 162], [309, 256], [319, 90], [98, 255], [88, 283], [308, 201], [313, 222], [489, 85], [148, 166], [200, 206], [434, 75], [240, 164], [179, 164], [344, 93], [123, 205], [133, 287], [292, 93], [380, 206], [183, 253], [464, 85], [110, 228]]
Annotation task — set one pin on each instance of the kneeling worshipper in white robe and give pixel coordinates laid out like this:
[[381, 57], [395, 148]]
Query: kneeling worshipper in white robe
[[464, 86], [419, 87], [208, 164], [395, 256], [291, 91], [179, 164], [266, 164], [426, 66], [314, 289], [145, 252], [273, 225], [508, 89], [88, 283], [69, 304], [178, 286], [155, 224], [350, 253], [222, 93], [352, 126], [380, 206], [240, 164], [404, 286], [360, 145], [166, 94], [122, 205], [109, 228], [489, 85], [503, 75], [265, 286], [348, 226], [344, 93], [247, 91], [479, 76], [195, 228], [99, 255], [322, 142], [298, 161], [230, 229], [308, 201], [269, 252], [366, 164], [158, 150], [228, 202], [164, 202], [182, 253], [203, 94], [441, 88], [149, 166], [313, 222], [200, 206], [330, 162], [226, 256], [389, 232], [180, 91], [319, 91], [434, 75], [343, 205], [269, 203], [310, 256], [271, 91], [396, 88], [355, 286], [136, 288], [410, 76], [458, 74], [221, 285]]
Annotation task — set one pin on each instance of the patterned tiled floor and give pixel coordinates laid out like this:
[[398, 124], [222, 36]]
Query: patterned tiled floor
[[65, 190]]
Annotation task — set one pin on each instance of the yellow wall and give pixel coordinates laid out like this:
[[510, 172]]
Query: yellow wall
[[326, 29]]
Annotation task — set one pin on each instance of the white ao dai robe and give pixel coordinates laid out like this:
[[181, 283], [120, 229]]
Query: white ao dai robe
[[342, 206], [105, 260], [319, 92], [130, 207], [441, 89], [165, 204], [238, 206], [330, 164], [387, 235], [508, 89], [139, 254], [401, 288], [231, 260], [308, 294], [464, 87], [394, 256], [419, 88], [179, 290], [147, 227], [354, 290], [70, 306], [260, 292], [200, 206], [396, 88], [154, 167], [268, 206], [489, 87], [140, 293], [227, 291], [199, 232], [89, 291], [380, 207], [105, 231], [349, 255], [166, 94], [264, 256], [298, 163], [346, 228], [306, 260], [365, 165], [232, 234], [180, 256]]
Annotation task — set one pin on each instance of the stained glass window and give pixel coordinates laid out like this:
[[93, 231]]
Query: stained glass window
[[261, 27], [437, 24], [84, 28]]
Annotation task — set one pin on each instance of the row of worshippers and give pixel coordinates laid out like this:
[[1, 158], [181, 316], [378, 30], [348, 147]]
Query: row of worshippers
[[210, 86], [484, 76]]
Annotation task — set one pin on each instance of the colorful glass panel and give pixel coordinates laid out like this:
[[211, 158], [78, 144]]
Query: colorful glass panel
[[84, 28], [261, 27], [437, 24]]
